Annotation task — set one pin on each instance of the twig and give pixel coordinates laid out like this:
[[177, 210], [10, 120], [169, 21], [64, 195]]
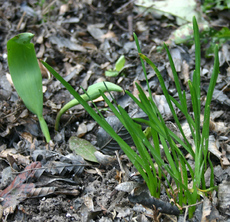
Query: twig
[[147, 8], [186, 209], [119, 161], [121, 9], [130, 27], [45, 10], [21, 20]]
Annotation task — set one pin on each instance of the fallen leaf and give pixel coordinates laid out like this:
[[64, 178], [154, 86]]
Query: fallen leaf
[[224, 196], [183, 10], [83, 148], [213, 147], [17, 191]]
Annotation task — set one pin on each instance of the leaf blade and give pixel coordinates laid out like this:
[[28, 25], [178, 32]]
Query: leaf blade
[[25, 72]]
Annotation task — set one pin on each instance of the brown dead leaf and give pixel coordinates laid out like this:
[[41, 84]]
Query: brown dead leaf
[[17, 191], [96, 32], [224, 196], [63, 9], [19, 159], [82, 130], [206, 209], [108, 35], [89, 45], [185, 73], [27, 136], [213, 147], [41, 191], [88, 201], [104, 159]]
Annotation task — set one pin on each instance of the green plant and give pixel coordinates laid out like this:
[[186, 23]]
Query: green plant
[[92, 93], [41, 3], [177, 162], [215, 5], [27, 79], [118, 67], [174, 163], [26, 75]]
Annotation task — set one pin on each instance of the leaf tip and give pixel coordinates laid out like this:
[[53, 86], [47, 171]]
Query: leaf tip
[[23, 38]]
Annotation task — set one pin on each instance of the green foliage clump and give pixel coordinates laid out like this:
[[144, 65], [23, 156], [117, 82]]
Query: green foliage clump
[[148, 156], [190, 182], [215, 4]]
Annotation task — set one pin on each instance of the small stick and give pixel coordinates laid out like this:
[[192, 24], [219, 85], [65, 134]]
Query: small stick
[[119, 161], [130, 27], [121, 9], [21, 20], [186, 209], [45, 10]]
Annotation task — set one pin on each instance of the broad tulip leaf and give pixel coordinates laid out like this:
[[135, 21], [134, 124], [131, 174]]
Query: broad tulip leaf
[[26, 75]]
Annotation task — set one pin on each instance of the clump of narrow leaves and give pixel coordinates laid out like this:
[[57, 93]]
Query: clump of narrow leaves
[[190, 182]]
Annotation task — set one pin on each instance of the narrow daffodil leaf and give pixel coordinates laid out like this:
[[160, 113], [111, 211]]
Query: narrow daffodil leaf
[[26, 75]]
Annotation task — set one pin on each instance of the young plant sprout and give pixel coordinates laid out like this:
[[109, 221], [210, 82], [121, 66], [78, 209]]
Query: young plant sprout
[[26, 76], [118, 67], [93, 92]]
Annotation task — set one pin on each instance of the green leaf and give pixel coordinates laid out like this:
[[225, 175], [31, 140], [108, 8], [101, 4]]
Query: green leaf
[[120, 63], [118, 67], [83, 148], [25, 72], [26, 75], [93, 92], [111, 73]]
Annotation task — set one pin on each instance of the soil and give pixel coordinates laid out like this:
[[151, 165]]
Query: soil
[[81, 40]]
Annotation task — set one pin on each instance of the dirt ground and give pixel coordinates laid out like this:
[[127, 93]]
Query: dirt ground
[[81, 40]]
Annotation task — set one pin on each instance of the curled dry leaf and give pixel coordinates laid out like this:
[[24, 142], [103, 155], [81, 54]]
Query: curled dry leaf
[[104, 159], [82, 130], [127, 186], [206, 209], [105, 141], [88, 201], [41, 191], [213, 147], [96, 32], [20, 159]]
